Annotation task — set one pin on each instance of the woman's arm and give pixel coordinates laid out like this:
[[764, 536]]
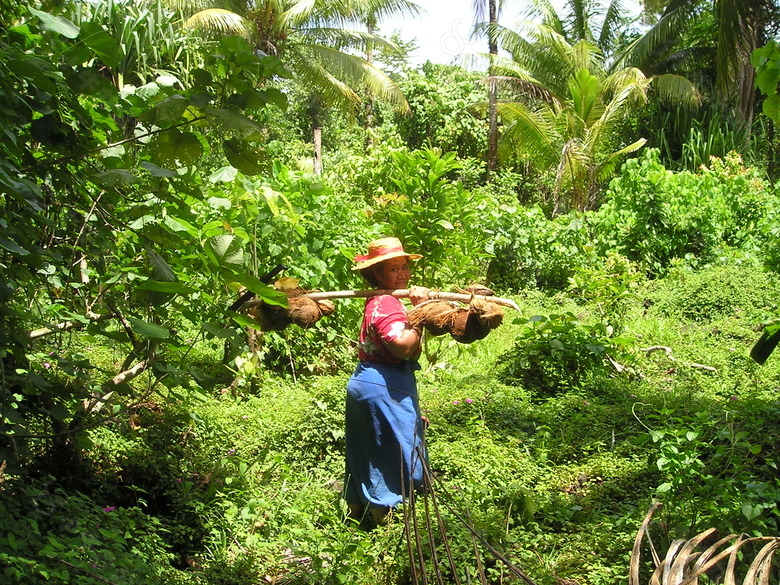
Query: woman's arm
[[406, 345]]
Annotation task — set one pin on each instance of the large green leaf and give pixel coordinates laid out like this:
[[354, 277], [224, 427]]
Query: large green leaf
[[176, 148], [228, 120], [263, 291], [166, 287], [91, 81], [104, 45], [57, 24], [247, 159], [167, 111], [150, 330], [228, 250]]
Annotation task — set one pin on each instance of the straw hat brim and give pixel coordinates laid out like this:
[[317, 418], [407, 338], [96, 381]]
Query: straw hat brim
[[372, 261]]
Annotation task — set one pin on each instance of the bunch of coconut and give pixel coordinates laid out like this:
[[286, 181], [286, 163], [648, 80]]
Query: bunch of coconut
[[466, 324], [300, 309]]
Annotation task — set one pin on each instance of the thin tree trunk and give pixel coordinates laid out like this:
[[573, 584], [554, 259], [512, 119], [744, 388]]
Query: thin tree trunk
[[492, 160], [318, 150], [371, 25]]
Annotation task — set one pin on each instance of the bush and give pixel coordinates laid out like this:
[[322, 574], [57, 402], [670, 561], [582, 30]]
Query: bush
[[531, 251], [717, 292], [50, 536], [654, 216]]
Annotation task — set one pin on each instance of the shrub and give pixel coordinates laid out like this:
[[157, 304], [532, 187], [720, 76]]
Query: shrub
[[51, 536], [559, 352], [530, 250], [719, 291], [654, 216]]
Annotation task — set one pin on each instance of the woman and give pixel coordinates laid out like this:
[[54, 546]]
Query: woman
[[384, 429]]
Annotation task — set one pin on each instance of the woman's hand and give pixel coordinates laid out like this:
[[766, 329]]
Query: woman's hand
[[418, 294]]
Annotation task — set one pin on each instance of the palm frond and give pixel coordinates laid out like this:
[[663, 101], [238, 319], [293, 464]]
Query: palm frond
[[543, 11], [527, 88], [676, 89], [342, 39], [684, 564], [534, 130], [610, 28], [219, 22], [660, 36], [337, 73], [607, 168]]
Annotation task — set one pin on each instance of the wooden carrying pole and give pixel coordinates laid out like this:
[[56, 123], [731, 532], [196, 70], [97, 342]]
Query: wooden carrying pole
[[404, 293]]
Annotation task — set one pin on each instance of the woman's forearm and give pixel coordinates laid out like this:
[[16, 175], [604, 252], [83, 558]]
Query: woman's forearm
[[405, 345]]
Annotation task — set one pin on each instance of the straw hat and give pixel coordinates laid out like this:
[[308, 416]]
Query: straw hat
[[381, 250]]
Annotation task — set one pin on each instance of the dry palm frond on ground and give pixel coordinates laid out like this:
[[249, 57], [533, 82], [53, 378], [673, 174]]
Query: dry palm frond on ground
[[729, 558]]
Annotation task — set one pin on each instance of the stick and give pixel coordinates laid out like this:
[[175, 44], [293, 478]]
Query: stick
[[404, 292]]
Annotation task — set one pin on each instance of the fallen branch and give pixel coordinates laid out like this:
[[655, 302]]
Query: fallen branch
[[96, 403], [400, 293], [65, 325], [668, 352]]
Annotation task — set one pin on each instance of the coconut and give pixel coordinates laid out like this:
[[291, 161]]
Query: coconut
[[490, 315], [435, 316], [271, 317], [326, 307], [303, 311]]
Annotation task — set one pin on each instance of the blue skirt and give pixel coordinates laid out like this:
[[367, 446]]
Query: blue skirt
[[384, 434]]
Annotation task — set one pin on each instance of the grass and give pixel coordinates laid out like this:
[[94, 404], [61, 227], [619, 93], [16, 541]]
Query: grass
[[245, 484]]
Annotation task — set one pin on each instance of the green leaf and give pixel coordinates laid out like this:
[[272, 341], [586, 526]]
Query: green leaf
[[230, 120], [244, 321], [228, 250], [167, 111], [148, 329], [91, 81], [104, 45], [225, 174], [13, 247], [176, 148], [166, 287], [263, 291], [771, 107], [247, 159], [275, 96], [57, 24], [156, 171], [115, 177]]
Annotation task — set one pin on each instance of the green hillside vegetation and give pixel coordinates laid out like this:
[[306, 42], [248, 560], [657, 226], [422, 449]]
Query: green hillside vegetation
[[152, 432]]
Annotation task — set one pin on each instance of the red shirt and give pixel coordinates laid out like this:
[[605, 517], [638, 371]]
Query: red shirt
[[384, 319]]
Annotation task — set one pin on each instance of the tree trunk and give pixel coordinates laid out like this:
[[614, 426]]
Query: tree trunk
[[318, 150], [371, 26], [492, 160]]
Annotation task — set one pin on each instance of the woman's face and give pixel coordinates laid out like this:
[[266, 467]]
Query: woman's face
[[393, 273]]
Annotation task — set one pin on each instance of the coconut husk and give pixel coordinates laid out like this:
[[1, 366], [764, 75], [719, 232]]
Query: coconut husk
[[270, 317], [465, 324], [489, 314], [301, 311], [436, 316]]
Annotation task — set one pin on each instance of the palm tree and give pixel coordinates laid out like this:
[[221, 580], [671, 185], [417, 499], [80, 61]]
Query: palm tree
[[311, 38], [740, 26], [493, 8], [566, 108]]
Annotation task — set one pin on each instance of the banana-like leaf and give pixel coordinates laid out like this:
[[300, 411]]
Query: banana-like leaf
[[766, 344]]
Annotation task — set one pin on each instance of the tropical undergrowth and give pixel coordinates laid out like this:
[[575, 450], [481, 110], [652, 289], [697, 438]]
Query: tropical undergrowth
[[553, 459]]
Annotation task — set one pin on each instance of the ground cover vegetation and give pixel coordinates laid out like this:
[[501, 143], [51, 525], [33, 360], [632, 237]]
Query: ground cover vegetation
[[150, 176]]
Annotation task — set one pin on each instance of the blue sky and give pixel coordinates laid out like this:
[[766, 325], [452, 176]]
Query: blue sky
[[442, 31]]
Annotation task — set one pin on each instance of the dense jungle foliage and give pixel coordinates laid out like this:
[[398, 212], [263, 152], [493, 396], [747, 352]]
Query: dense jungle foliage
[[158, 160]]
